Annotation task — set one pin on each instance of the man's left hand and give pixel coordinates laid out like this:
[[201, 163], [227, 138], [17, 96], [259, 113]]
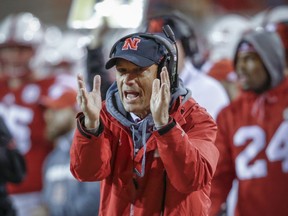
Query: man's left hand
[[160, 98]]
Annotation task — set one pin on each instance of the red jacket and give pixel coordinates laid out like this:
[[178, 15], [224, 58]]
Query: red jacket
[[252, 141], [180, 161]]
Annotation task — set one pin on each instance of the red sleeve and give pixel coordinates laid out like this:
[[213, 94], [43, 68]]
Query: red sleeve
[[225, 172], [188, 152], [84, 147]]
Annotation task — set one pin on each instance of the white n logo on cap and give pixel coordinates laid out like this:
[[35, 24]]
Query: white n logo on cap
[[131, 43]]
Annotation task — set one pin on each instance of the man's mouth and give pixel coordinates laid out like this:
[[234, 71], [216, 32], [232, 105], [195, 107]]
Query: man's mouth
[[242, 79], [131, 95]]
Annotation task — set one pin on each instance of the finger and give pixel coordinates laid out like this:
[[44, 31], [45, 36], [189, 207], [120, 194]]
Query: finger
[[80, 86], [167, 77], [164, 91], [79, 78], [155, 87], [80, 81], [83, 94], [164, 75], [166, 80], [79, 99], [97, 84]]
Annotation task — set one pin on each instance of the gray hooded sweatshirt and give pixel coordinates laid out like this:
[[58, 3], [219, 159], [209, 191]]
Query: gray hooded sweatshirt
[[142, 130], [269, 47]]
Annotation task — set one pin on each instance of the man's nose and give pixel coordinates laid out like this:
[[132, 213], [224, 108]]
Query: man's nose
[[129, 78]]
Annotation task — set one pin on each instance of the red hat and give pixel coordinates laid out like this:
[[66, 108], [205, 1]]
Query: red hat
[[223, 70], [67, 98]]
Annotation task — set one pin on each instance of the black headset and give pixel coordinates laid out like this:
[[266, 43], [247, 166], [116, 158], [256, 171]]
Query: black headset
[[180, 23], [170, 59]]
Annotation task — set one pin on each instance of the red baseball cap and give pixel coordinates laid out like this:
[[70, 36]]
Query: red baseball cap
[[223, 70]]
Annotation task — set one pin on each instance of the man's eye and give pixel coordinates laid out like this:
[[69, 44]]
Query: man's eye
[[122, 71], [141, 70], [250, 58]]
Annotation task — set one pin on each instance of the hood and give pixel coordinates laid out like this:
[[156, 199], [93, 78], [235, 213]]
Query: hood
[[142, 130], [269, 47], [116, 109]]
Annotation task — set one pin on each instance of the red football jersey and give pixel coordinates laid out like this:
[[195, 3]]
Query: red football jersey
[[23, 113], [253, 143]]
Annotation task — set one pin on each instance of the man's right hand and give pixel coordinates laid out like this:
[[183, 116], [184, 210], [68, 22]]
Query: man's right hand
[[90, 102]]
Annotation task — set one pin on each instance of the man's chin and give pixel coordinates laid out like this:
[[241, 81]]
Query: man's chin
[[135, 108], [131, 108], [245, 87]]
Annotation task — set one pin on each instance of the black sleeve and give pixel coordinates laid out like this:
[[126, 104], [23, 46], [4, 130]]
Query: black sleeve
[[12, 163], [5, 135]]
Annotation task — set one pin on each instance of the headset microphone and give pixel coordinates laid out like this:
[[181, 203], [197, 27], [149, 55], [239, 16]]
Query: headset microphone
[[170, 34]]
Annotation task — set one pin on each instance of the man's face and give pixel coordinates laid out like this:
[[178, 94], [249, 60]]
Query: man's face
[[252, 75], [15, 60], [135, 86]]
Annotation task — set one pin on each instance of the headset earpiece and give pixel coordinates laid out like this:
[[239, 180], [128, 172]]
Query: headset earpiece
[[184, 32]]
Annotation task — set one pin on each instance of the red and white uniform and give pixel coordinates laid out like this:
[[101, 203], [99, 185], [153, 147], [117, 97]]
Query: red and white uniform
[[253, 143], [23, 114]]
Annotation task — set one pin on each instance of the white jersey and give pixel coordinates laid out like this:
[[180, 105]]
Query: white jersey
[[206, 90]]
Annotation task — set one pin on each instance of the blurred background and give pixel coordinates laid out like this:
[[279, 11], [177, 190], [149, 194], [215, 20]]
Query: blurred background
[[68, 37], [97, 24], [87, 16], [57, 12]]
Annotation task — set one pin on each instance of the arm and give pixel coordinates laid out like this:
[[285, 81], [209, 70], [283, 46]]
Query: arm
[[190, 156], [160, 98], [188, 151], [90, 102], [225, 173], [86, 146]]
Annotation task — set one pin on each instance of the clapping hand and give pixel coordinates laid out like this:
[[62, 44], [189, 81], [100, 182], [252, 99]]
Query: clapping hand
[[90, 102], [160, 98]]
